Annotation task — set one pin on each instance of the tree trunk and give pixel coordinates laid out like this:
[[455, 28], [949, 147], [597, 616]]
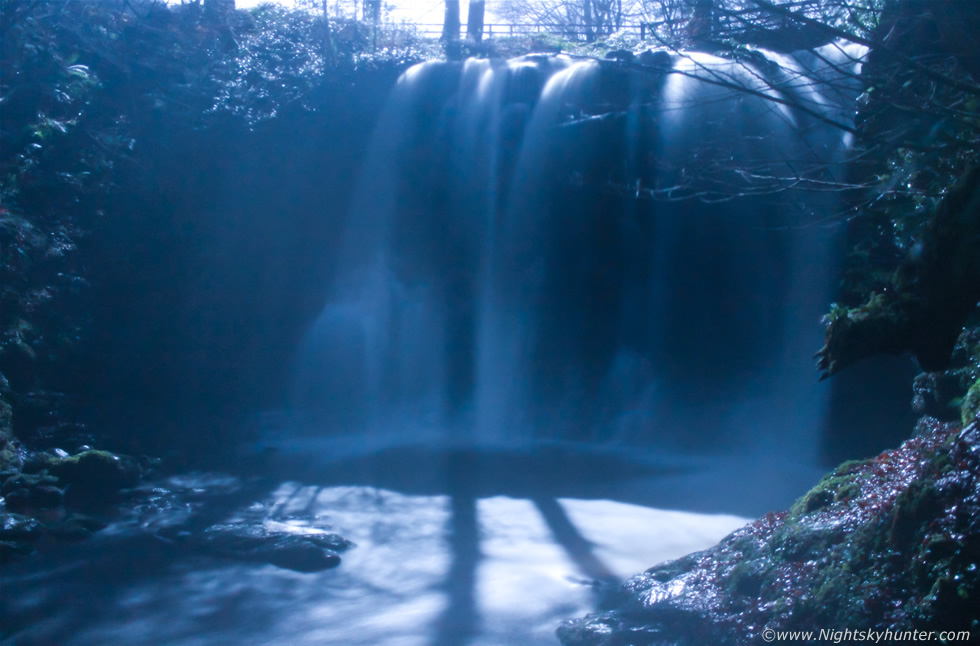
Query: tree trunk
[[372, 11], [701, 27], [587, 16], [451, 24], [329, 52], [474, 20]]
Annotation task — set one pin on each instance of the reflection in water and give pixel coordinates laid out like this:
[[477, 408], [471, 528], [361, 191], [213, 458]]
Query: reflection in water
[[462, 566]]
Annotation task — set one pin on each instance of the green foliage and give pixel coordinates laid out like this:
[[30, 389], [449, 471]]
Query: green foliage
[[837, 312], [282, 58], [623, 39], [841, 486], [911, 226], [10, 457], [970, 410], [918, 126]]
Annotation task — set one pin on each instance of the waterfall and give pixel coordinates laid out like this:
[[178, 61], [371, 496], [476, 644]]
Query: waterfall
[[631, 252]]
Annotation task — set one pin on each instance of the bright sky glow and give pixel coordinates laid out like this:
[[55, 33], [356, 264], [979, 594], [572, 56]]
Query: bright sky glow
[[417, 11]]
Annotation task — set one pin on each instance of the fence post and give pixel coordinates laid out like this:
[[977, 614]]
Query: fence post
[[643, 31]]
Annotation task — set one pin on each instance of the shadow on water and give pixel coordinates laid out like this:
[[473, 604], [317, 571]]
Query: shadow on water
[[578, 548], [471, 475], [542, 476], [132, 585], [460, 620], [749, 485]]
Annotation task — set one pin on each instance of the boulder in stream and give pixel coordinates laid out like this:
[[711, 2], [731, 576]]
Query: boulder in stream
[[303, 552]]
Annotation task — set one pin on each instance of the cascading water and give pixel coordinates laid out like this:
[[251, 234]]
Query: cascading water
[[631, 252]]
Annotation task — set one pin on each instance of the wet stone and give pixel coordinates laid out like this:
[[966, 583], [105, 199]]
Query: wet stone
[[621, 55], [20, 528], [24, 492], [47, 496], [18, 500], [94, 477], [887, 543], [970, 436], [13, 550], [933, 394], [653, 58], [26, 481], [294, 551], [75, 527]]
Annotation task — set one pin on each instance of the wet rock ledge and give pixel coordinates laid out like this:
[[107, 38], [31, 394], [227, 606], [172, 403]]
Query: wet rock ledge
[[52, 497], [887, 543]]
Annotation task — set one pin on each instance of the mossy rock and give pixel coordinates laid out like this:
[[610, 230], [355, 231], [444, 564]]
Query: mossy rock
[[26, 481], [840, 486], [970, 408], [886, 543], [914, 507], [10, 455], [93, 476], [75, 527]]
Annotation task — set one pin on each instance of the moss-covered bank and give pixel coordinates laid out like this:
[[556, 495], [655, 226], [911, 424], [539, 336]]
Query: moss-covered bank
[[891, 543]]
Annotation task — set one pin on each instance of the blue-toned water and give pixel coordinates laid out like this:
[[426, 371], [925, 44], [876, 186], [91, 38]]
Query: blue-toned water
[[636, 254], [569, 337]]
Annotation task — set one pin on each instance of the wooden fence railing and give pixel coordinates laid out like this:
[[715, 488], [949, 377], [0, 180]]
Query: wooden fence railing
[[505, 30], [722, 24]]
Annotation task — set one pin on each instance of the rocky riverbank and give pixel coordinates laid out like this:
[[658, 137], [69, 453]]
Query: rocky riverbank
[[890, 543], [57, 497]]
